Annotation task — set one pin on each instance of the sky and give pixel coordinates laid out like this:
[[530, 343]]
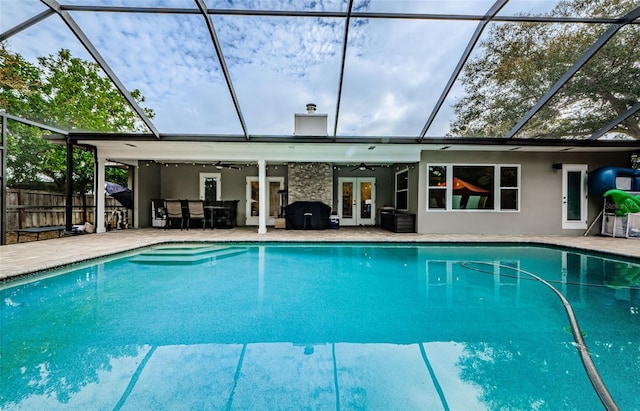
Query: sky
[[395, 69]]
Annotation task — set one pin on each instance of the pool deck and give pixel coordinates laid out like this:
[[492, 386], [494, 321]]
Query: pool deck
[[34, 256]]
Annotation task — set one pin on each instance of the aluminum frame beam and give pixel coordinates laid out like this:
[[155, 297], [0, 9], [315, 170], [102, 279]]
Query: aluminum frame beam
[[223, 65], [347, 22], [450, 141], [341, 14], [34, 123], [26, 24], [495, 9], [610, 125], [88, 45], [584, 59]]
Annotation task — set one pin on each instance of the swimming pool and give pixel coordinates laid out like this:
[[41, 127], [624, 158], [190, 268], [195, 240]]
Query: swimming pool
[[313, 326]]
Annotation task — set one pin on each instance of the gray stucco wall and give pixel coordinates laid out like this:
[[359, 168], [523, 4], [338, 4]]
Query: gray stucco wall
[[148, 186], [540, 201], [182, 182]]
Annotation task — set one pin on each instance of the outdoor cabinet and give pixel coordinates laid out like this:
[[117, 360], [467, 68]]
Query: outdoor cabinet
[[397, 222], [158, 213]]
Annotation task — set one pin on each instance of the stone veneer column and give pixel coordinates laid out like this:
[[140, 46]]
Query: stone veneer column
[[310, 182]]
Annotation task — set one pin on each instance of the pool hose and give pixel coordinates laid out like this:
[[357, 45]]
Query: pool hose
[[596, 381]]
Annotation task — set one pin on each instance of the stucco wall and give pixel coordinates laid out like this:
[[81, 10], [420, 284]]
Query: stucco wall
[[157, 181], [148, 187], [182, 182], [540, 201]]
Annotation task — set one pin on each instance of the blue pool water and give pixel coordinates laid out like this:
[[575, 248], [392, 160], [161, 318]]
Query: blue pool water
[[323, 327]]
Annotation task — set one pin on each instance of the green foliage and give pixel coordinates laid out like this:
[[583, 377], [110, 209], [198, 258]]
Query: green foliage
[[521, 61], [116, 175], [68, 93]]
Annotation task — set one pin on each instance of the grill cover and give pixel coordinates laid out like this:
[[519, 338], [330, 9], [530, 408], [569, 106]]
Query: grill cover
[[307, 215]]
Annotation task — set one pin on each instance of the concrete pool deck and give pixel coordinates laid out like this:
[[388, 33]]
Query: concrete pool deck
[[34, 256]]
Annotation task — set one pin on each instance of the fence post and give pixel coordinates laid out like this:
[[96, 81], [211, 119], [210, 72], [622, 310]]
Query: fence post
[[21, 219]]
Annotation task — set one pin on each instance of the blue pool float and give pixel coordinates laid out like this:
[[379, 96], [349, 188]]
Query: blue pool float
[[603, 179]]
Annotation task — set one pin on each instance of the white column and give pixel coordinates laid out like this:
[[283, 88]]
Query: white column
[[262, 184], [134, 178], [99, 196]]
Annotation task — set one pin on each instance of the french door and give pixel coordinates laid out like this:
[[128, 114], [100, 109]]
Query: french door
[[274, 184], [357, 201], [574, 196]]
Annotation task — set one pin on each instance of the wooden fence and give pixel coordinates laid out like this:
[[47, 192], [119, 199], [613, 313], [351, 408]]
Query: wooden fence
[[32, 208]]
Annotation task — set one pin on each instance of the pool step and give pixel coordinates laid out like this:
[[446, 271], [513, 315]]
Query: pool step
[[182, 251], [186, 255]]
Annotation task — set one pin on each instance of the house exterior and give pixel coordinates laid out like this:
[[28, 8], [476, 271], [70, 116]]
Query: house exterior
[[524, 189], [224, 81]]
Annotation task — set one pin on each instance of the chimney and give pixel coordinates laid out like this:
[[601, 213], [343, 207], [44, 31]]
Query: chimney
[[311, 108], [310, 124]]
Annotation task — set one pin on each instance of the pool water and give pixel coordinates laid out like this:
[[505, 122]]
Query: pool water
[[323, 327]]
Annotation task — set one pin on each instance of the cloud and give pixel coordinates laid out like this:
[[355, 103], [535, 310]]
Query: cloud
[[395, 72]]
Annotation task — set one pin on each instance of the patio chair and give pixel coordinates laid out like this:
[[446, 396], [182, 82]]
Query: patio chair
[[174, 212], [196, 212]]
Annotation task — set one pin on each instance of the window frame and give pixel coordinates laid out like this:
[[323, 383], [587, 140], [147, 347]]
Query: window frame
[[498, 188]]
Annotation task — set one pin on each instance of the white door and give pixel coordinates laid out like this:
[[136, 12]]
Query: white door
[[275, 184], [357, 201], [210, 186], [574, 196]]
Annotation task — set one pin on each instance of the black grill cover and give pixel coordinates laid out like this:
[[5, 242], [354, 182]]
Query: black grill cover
[[307, 215]]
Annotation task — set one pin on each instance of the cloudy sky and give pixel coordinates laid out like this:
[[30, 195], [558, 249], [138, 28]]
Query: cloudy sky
[[394, 72]]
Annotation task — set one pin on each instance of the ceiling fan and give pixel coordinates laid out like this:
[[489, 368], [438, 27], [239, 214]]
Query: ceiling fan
[[363, 166], [219, 165]]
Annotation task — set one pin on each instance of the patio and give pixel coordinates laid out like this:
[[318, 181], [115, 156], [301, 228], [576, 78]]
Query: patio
[[20, 259]]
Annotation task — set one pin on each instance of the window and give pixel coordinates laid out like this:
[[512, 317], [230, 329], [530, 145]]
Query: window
[[210, 186], [437, 187], [402, 190], [473, 187], [509, 188]]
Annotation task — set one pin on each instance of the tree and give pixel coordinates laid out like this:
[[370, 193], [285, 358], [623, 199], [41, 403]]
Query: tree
[[521, 61], [66, 92]]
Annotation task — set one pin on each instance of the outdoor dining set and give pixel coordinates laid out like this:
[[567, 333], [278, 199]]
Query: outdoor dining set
[[174, 213]]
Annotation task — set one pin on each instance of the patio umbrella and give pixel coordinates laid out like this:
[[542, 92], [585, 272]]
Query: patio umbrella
[[463, 188], [122, 194], [465, 191]]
